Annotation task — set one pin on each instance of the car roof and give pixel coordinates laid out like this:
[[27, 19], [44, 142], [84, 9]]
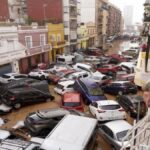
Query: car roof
[[84, 65], [12, 74], [71, 97], [106, 102], [118, 126], [89, 82], [52, 112], [66, 83], [79, 73]]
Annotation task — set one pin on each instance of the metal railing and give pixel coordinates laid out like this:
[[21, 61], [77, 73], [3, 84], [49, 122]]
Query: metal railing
[[139, 137]]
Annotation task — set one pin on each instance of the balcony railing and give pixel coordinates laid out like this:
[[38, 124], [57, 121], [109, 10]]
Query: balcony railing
[[38, 49], [60, 43], [73, 2]]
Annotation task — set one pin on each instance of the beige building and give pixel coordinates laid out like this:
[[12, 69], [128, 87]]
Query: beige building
[[92, 34], [115, 25]]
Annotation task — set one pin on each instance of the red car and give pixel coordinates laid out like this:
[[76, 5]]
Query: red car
[[57, 76], [72, 100], [127, 77], [109, 69], [120, 58]]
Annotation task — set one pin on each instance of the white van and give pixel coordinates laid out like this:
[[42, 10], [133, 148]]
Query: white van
[[72, 133], [65, 59]]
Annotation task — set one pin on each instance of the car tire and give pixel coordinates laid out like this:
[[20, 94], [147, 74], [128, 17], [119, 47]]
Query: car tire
[[17, 105]]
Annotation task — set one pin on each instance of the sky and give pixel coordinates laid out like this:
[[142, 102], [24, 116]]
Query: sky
[[137, 8]]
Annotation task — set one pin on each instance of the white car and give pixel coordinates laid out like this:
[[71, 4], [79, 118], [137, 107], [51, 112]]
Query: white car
[[39, 74], [4, 109], [92, 58], [64, 86], [114, 132], [128, 66], [107, 110], [75, 75], [5, 78], [58, 68]]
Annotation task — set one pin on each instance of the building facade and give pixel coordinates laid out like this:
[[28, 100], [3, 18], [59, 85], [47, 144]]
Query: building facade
[[4, 12], [11, 51], [92, 34], [45, 11], [114, 21], [56, 39], [71, 15], [35, 38]]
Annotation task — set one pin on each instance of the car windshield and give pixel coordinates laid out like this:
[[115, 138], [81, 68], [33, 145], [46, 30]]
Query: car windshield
[[71, 104], [121, 135], [95, 91], [110, 107], [59, 86]]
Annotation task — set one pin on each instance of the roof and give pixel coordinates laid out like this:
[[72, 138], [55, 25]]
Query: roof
[[118, 125], [66, 83], [89, 82], [72, 97], [67, 134], [107, 102]]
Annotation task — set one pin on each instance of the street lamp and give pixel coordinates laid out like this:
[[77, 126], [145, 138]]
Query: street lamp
[[44, 11]]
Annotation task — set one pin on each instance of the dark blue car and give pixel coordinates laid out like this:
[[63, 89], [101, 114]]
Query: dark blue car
[[89, 89], [120, 87]]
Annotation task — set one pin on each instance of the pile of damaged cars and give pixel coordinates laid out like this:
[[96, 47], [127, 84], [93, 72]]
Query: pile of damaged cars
[[84, 110]]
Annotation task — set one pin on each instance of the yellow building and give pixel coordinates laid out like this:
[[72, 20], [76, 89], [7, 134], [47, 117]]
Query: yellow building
[[83, 35], [91, 34], [56, 39]]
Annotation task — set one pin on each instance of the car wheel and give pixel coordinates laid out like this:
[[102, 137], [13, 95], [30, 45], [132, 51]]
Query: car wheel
[[120, 93], [17, 105], [43, 77]]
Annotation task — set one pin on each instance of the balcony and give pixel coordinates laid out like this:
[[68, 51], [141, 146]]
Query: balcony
[[58, 44], [73, 2], [38, 49]]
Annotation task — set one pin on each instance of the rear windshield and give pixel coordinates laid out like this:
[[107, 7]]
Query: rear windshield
[[110, 107], [95, 91], [71, 104], [5, 76]]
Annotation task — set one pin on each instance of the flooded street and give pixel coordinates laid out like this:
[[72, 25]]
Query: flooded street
[[18, 115]]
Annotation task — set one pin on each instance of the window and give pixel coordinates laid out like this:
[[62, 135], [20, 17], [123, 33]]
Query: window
[[70, 86], [85, 75], [58, 37], [66, 24], [42, 39], [28, 40], [61, 59], [66, 9], [52, 38], [66, 37]]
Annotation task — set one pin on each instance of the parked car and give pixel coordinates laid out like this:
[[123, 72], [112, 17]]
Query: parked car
[[4, 109], [72, 100], [75, 75], [107, 110], [129, 67], [5, 78], [65, 59], [91, 58], [92, 51], [101, 79], [109, 69], [133, 105], [58, 67], [114, 132], [17, 97], [38, 74], [89, 89], [127, 77], [55, 77], [120, 58], [43, 121], [64, 86], [120, 87]]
